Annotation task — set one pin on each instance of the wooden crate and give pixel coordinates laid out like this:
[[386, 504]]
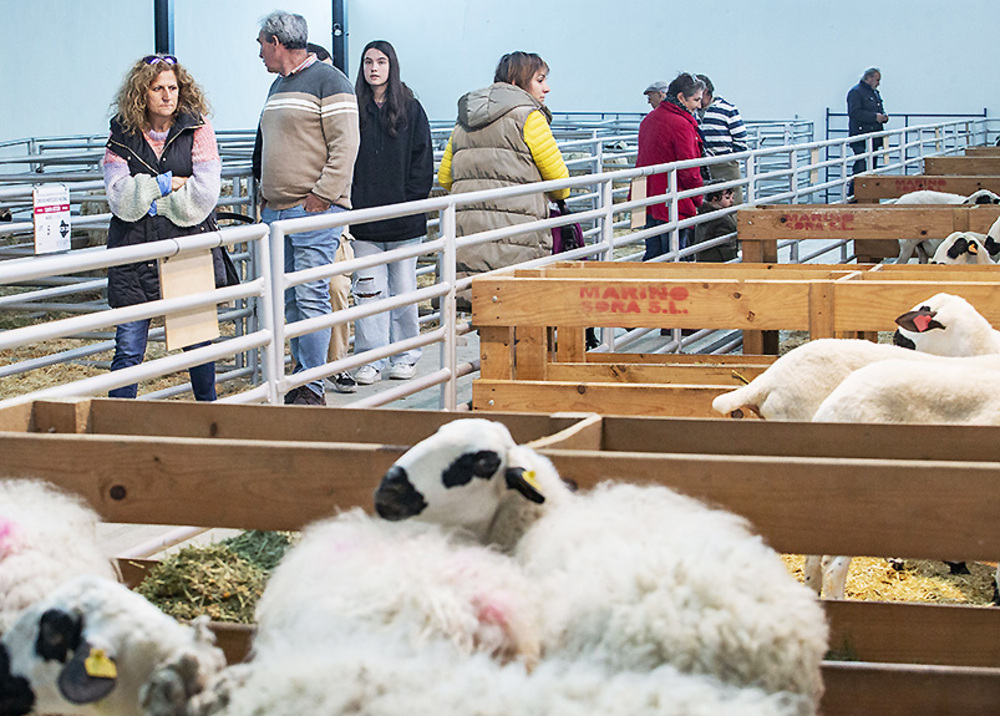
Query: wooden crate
[[872, 188], [875, 230], [838, 489], [982, 151], [531, 325], [976, 165]]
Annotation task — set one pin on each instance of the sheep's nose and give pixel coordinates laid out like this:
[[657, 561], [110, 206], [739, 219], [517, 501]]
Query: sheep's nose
[[396, 498], [898, 339]]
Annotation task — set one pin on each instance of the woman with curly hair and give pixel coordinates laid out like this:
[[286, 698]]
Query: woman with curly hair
[[162, 174]]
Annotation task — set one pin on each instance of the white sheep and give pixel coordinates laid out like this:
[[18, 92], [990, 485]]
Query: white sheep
[[47, 537], [620, 570], [353, 573], [927, 247], [946, 325], [959, 391], [94, 647], [963, 248], [370, 677]]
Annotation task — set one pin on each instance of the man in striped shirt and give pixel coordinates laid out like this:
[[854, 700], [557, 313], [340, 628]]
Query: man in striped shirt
[[724, 133], [309, 141]]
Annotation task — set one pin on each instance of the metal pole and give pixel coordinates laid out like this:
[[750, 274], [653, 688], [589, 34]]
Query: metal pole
[[163, 26], [449, 319], [339, 30]]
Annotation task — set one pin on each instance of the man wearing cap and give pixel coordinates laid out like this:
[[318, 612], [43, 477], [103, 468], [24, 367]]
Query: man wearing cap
[[655, 93]]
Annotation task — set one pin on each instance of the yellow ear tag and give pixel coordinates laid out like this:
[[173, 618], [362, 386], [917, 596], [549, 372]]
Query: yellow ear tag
[[99, 666], [529, 477]]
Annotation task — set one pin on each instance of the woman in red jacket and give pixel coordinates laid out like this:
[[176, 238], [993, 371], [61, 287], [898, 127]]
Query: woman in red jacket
[[669, 134]]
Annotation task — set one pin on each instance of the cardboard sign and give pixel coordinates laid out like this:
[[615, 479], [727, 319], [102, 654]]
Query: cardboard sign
[[639, 213], [51, 218], [184, 275]]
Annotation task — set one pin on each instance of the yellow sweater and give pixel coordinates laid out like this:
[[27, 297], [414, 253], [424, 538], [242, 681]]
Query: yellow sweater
[[538, 136]]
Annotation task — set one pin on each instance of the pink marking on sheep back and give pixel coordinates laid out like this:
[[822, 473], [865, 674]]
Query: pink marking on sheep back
[[8, 536]]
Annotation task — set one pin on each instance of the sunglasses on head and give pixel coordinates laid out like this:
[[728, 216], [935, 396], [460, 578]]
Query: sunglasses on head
[[153, 59]]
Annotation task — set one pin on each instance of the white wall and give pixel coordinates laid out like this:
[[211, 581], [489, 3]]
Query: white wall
[[62, 60]]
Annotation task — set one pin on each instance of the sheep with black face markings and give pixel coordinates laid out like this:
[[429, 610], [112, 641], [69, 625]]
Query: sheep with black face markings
[[926, 248], [47, 537], [619, 570], [94, 647], [963, 248], [946, 325]]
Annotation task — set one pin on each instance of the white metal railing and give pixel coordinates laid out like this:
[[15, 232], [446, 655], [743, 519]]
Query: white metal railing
[[780, 174]]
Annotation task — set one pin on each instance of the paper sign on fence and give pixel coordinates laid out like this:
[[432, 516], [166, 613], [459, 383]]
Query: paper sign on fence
[[51, 217], [638, 192], [183, 275]]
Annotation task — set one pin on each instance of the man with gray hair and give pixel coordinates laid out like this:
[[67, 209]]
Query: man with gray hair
[[309, 141], [865, 114]]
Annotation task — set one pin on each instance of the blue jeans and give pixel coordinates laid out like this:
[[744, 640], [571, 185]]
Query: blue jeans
[[656, 245], [375, 283], [307, 249], [130, 348]]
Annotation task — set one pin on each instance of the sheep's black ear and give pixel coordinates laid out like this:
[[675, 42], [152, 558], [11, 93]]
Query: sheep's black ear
[[992, 245], [918, 321], [984, 199], [58, 634], [88, 677], [524, 482], [958, 248]]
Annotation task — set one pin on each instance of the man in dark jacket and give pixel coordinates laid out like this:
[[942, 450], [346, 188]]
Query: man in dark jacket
[[865, 114]]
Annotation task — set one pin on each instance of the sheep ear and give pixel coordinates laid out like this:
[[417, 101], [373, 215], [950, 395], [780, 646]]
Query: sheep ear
[[524, 482], [991, 244], [958, 248], [88, 677], [918, 321], [58, 634]]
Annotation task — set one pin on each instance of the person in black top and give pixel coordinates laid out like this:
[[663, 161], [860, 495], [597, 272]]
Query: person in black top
[[865, 114]]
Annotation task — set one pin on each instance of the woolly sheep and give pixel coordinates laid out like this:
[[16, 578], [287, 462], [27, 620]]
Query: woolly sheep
[[620, 571], [46, 538], [92, 646], [354, 573], [946, 325], [927, 247], [903, 392], [963, 248], [367, 677]]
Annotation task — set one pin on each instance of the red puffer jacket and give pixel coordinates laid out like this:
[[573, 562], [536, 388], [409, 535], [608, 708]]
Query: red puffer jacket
[[670, 134]]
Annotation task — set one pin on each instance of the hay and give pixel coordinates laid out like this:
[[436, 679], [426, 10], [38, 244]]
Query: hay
[[264, 549], [873, 579], [211, 580]]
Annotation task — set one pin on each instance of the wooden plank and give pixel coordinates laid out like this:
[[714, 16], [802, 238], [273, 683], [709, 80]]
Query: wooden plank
[[701, 359], [821, 310], [18, 417], [926, 509], [133, 571], [570, 345], [873, 305], [233, 639], [966, 443], [274, 422], [904, 690], [982, 151], [603, 398], [531, 348], [725, 303], [496, 352], [823, 221], [694, 271], [929, 510], [71, 415], [962, 166], [638, 372], [914, 633], [875, 187]]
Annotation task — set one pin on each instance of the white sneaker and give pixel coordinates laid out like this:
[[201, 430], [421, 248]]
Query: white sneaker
[[402, 371], [367, 374]]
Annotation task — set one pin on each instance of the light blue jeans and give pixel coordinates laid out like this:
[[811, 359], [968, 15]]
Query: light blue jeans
[[378, 282], [304, 250]]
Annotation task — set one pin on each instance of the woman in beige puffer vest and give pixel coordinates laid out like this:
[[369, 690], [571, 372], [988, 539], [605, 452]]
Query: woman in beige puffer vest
[[503, 139]]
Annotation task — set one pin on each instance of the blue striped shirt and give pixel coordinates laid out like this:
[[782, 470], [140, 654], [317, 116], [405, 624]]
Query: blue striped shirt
[[722, 128]]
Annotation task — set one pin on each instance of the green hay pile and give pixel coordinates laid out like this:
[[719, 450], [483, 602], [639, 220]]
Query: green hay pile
[[265, 549], [210, 580]]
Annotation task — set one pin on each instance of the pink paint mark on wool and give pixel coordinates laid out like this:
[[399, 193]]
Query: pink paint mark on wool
[[8, 537]]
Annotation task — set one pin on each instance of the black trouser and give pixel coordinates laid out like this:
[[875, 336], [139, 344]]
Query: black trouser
[[861, 165]]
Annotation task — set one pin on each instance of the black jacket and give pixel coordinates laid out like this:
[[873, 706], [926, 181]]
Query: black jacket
[[863, 103], [391, 170], [140, 282]]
